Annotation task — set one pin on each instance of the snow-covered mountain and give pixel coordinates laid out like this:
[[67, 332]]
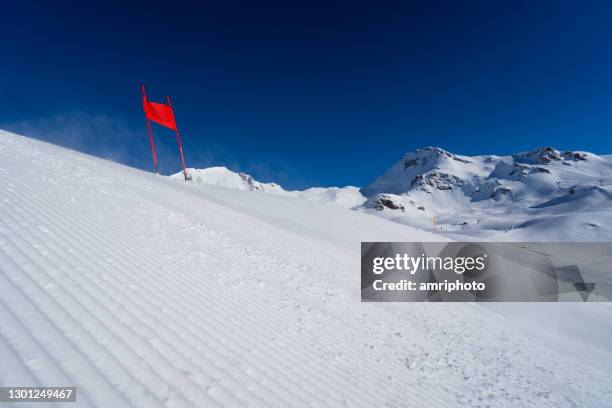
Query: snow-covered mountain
[[539, 172], [222, 176], [542, 193], [145, 292], [555, 195], [346, 197]]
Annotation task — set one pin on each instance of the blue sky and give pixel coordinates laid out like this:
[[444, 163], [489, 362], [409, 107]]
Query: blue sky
[[304, 94]]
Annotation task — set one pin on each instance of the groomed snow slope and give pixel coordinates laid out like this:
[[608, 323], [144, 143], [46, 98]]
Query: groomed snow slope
[[146, 292]]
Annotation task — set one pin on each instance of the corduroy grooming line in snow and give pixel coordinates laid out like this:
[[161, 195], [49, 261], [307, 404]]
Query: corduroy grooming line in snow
[[164, 115]]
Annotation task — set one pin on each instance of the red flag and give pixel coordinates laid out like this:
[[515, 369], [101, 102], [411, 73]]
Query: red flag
[[159, 113], [162, 114]]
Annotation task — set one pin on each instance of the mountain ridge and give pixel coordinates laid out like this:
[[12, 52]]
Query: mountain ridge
[[461, 191]]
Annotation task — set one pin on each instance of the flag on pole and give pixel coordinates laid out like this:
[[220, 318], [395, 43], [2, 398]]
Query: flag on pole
[[159, 113], [164, 115]]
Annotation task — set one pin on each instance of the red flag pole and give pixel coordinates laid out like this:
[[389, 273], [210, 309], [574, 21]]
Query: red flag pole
[[144, 95], [152, 147], [178, 140]]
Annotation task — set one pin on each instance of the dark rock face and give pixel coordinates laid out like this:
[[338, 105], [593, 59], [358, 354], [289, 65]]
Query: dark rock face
[[460, 160], [543, 155], [522, 170], [437, 180], [429, 154], [501, 191], [417, 180], [547, 155], [574, 156], [519, 170], [410, 163], [541, 170], [384, 201], [250, 181]]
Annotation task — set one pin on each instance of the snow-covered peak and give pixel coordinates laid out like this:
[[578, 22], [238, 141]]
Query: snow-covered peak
[[548, 154], [541, 155], [424, 168], [433, 169], [494, 193], [429, 157], [224, 177]]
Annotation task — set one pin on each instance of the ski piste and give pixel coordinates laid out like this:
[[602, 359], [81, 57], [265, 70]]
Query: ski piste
[[141, 290]]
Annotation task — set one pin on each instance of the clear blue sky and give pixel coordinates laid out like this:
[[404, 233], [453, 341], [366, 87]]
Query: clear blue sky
[[310, 93]]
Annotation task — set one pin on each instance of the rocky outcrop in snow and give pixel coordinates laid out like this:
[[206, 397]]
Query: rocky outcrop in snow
[[383, 201], [547, 155]]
